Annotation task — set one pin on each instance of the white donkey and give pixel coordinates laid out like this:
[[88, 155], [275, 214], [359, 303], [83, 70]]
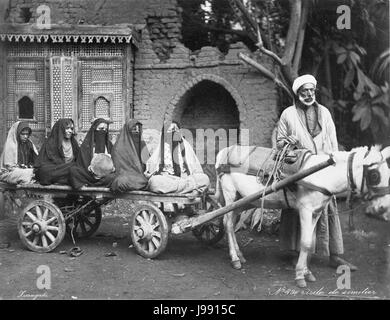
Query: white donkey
[[346, 173]]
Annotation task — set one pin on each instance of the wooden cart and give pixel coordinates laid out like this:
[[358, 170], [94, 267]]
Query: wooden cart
[[52, 211], [43, 222]]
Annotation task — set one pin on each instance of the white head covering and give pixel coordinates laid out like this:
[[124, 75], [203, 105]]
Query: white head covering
[[300, 81], [9, 156]]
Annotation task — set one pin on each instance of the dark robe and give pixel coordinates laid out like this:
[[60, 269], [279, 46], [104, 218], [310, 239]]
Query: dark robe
[[127, 154], [26, 153], [50, 164], [94, 142]]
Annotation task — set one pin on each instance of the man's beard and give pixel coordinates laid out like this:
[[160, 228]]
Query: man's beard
[[306, 101]]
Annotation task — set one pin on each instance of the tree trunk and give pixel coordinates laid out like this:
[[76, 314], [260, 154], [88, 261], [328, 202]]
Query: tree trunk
[[328, 77], [301, 38], [292, 35]]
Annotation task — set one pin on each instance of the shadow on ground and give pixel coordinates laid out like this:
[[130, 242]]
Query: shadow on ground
[[109, 268]]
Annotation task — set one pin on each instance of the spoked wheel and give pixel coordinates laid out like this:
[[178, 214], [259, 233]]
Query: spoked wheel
[[213, 231], [41, 226], [149, 230], [84, 225]]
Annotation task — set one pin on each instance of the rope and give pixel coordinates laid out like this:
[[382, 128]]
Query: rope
[[274, 175]]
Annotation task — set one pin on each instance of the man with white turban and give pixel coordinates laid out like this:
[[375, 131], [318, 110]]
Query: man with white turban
[[309, 125]]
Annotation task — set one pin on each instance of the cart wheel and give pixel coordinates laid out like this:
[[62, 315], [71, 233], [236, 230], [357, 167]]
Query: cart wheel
[[149, 230], [84, 224], [41, 226], [213, 231]]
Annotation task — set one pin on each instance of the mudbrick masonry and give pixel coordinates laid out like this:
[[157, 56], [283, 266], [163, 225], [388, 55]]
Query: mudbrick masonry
[[152, 77]]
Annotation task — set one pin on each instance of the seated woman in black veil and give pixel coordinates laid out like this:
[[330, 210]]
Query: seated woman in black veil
[[58, 154], [94, 166], [129, 154]]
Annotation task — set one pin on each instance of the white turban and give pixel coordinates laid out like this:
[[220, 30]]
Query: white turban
[[300, 81]]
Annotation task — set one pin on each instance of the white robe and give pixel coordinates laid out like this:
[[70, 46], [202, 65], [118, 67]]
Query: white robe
[[329, 238], [152, 165], [291, 123], [166, 181]]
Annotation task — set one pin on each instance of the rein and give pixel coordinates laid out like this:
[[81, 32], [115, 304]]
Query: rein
[[351, 180], [353, 189], [372, 191]]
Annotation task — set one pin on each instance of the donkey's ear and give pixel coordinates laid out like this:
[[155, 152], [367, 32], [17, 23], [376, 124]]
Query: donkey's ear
[[386, 152], [377, 147]]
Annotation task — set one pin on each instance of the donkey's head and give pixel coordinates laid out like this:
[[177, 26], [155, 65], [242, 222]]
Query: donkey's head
[[377, 176]]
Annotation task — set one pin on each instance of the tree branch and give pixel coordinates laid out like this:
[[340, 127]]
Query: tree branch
[[267, 73], [269, 53], [210, 27], [246, 15], [248, 20]]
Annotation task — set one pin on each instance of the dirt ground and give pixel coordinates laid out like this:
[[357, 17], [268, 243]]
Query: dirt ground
[[190, 270]]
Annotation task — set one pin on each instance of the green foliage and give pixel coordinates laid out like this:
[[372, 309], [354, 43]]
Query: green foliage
[[380, 70], [369, 101], [273, 18], [352, 66], [357, 90], [210, 23], [195, 36]]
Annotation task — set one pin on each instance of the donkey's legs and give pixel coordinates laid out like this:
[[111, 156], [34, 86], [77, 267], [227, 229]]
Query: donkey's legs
[[307, 229], [308, 274], [236, 246], [229, 193], [228, 222]]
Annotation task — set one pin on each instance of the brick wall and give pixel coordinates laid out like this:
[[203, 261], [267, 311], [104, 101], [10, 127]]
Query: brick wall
[[3, 99], [104, 12], [165, 71], [161, 85]]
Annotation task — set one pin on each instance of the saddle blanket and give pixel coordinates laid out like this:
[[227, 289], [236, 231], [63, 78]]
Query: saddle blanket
[[260, 161]]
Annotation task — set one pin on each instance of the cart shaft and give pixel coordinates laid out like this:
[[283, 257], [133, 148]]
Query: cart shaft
[[191, 223]]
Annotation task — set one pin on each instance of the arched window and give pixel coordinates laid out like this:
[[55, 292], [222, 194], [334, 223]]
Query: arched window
[[102, 108], [25, 108]]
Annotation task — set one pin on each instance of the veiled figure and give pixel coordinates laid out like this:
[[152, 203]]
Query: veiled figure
[[129, 150], [174, 166], [85, 172], [58, 154], [18, 156]]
